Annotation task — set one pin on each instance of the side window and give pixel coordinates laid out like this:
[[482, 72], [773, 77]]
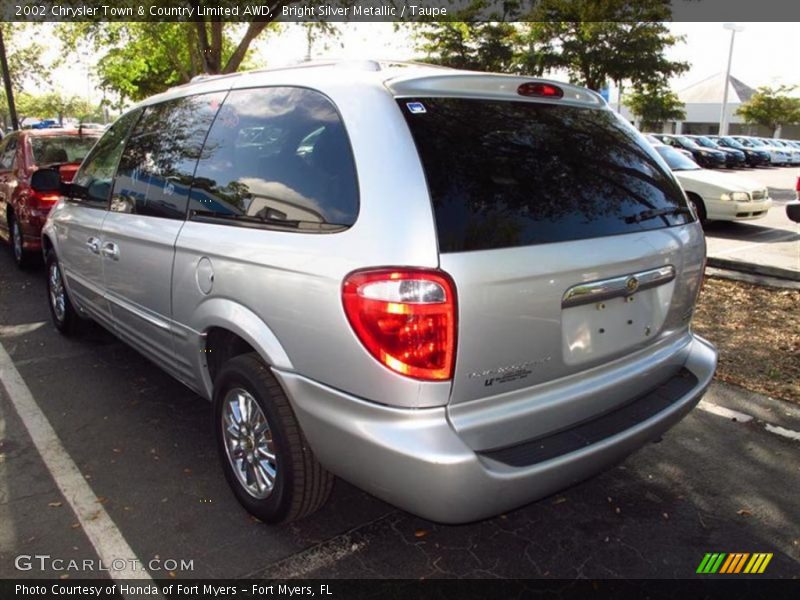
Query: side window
[[156, 169], [8, 151], [276, 157], [92, 182]]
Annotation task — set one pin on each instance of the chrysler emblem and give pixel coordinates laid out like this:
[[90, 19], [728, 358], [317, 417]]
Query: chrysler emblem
[[632, 284]]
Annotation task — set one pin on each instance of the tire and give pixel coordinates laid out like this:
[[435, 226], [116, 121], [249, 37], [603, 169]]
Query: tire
[[299, 484], [21, 257], [699, 208], [65, 318]]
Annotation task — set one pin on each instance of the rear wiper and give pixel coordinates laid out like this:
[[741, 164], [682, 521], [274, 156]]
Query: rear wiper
[[654, 213], [208, 214]]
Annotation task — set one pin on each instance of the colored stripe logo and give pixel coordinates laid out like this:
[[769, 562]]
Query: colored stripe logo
[[734, 563]]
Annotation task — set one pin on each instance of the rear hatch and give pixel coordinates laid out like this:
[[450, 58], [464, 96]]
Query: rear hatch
[[568, 239]]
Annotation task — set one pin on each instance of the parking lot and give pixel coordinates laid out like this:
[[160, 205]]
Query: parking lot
[[773, 241], [138, 479]]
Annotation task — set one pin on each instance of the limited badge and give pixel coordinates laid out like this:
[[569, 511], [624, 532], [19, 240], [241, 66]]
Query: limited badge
[[416, 108]]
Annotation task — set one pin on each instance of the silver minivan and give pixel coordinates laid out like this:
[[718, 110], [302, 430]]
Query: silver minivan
[[458, 291]]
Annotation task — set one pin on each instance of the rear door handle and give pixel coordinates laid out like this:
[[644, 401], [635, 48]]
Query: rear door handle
[[110, 250], [93, 244]]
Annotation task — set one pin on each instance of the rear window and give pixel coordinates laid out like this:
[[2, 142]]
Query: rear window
[[504, 174], [61, 148]]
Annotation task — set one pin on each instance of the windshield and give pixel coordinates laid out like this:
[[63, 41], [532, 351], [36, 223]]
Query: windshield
[[705, 142], [61, 148], [686, 142], [676, 160], [732, 143]]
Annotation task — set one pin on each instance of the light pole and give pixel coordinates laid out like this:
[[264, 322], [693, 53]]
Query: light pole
[[723, 118]]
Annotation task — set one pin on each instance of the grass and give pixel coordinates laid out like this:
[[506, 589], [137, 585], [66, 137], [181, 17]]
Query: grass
[[757, 332]]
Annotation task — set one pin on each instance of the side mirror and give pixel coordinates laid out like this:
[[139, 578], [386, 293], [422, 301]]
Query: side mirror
[[46, 180]]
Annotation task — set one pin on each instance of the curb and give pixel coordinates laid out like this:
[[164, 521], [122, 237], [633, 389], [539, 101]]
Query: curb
[[752, 268]]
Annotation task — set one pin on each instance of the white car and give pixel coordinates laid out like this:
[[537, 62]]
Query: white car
[[715, 195], [777, 156]]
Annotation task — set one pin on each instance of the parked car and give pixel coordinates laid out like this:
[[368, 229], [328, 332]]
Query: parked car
[[793, 207], [458, 333], [753, 156], [794, 152], [784, 153], [777, 156], [23, 210], [651, 137], [705, 157], [733, 158], [715, 196]]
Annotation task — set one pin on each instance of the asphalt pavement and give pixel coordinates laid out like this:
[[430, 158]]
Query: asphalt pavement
[[773, 241], [724, 480]]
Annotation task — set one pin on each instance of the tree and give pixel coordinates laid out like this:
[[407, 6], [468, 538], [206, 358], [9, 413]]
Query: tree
[[771, 107], [472, 46], [655, 104], [25, 67], [601, 41], [140, 59]]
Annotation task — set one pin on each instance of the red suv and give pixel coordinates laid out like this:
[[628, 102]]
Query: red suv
[[23, 211]]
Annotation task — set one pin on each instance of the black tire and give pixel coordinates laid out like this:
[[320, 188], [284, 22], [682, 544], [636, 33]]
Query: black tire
[[67, 321], [699, 208], [21, 256], [300, 486]]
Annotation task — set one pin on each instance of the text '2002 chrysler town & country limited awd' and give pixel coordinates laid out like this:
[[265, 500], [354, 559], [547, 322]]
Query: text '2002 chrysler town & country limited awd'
[[460, 292]]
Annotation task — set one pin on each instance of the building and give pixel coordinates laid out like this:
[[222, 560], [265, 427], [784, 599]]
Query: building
[[703, 107]]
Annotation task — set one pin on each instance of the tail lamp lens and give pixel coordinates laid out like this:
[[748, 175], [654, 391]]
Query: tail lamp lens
[[405, 318], [44, 200]]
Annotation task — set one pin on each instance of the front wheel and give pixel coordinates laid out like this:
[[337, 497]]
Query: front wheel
[[699, 208], [267, 461]]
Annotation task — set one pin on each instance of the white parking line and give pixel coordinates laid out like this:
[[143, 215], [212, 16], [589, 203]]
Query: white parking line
[[100, 529], [782, 431], [741, 417], [724, 412]]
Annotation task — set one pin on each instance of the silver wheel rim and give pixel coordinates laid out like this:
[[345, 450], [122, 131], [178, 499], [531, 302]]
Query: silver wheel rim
[[16, 234], [58, 298], [249, 445]]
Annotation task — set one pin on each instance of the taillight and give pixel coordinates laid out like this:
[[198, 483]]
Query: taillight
[[545, 90], [44, 200], [406, 318], [797, 185]]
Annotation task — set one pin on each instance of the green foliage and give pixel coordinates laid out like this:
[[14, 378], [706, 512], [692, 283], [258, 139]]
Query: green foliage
[[595, 41], [24, 64], [602, 41], [472, 46], [142, 59], [55, 104], [655, 104], [771, 107]]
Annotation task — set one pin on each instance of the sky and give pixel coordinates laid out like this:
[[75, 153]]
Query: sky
[[764, 53]]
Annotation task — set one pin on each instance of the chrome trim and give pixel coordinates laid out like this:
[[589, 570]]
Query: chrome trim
[[137, 311], [624, 285]]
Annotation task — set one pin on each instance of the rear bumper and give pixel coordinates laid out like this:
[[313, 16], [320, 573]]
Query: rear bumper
[[415, 460]]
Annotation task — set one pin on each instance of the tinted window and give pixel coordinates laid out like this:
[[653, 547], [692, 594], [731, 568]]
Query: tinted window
[[277, 157], [676, 160], [8, 151], [61, 148], [516, 173], [92, 182], [156, 168]]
